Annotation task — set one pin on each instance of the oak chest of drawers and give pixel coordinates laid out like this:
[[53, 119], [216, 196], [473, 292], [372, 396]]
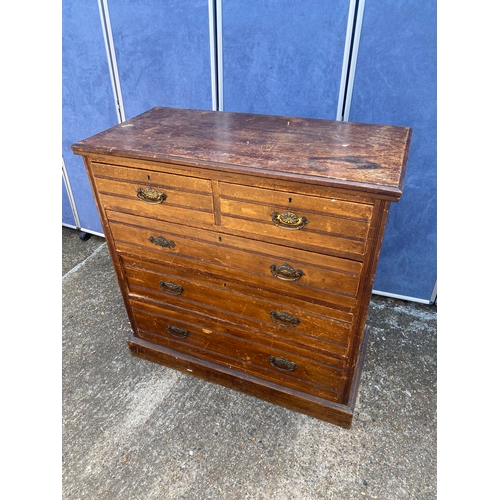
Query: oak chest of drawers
[[246, 246]]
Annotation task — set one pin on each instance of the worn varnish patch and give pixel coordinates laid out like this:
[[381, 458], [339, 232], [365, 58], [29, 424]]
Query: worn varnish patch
[[373, 157]]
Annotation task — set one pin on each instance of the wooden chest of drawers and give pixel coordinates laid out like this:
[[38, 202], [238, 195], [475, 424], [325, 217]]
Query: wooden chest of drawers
[[246, 245]]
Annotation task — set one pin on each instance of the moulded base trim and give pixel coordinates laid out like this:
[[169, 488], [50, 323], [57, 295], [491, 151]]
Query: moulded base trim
[[307, 404]]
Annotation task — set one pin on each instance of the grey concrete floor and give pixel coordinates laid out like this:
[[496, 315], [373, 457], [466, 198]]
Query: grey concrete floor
[[133, 429]]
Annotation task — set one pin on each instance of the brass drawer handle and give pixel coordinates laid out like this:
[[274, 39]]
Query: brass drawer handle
[[150, 195], [286, 272], [177, 332], [161, 242], [288, 220], [282, 364], [283, 318], [171, 287]]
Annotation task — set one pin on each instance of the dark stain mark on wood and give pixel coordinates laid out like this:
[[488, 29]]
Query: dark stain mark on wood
[[356, 161]]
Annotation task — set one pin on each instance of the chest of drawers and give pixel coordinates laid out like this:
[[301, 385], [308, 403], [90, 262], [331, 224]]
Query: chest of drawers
[[245, 246]]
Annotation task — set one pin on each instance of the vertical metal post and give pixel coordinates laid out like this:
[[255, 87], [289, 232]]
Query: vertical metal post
[[213, 53], [220, 72], [70, 195], [354, 23], [434, 294], [216, 66], [110, 52], [347, 58]]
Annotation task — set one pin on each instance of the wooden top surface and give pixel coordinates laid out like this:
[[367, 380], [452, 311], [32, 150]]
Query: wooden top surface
[[366, 157]]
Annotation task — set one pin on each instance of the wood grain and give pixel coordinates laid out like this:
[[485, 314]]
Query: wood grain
[[367, 157], [249, 356], [218, 277], [321, 281], [230, 300]]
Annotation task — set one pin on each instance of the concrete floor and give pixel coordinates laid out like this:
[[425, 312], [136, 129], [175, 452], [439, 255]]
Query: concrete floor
[[136, 430]]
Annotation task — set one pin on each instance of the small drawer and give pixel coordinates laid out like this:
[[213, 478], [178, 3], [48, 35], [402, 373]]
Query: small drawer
[[330, 206], [170, 197], [330, 225], [208, 339]]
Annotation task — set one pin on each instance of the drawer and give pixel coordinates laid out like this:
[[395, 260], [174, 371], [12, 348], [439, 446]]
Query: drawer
[[312, 351], [329, 224], [206, 338], [258, 265], [170, 197], [283, 317], [330, 206]]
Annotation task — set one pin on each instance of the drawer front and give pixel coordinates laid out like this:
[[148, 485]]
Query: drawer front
[[329, 224], [199, 296], [330, 206], [208, 339], [176, 271], [311, 351], [147, 193], [257, 265]]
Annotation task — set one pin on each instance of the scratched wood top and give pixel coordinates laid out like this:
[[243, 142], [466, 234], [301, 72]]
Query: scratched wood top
[[365, 157]]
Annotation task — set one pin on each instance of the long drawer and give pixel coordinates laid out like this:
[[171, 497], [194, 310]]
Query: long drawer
[[259, 266], [197, 296], [297, 220], [206, 338], [169, 197]]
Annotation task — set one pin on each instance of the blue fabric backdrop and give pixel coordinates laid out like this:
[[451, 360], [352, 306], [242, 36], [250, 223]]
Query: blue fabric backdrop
[[395, 83], [283, 57], [87, 96], [162, 53], [280, 57]]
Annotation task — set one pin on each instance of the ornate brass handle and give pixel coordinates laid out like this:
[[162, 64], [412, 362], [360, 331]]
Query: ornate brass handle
[[177, 332], [288, 220], [283, 318], [171, 287], [282, 364], [161, 242], [150, 195], [286, 272]]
